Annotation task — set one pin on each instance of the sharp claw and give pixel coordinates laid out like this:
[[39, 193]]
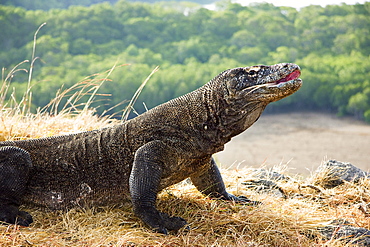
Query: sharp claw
[[244, 200], [161, 230]]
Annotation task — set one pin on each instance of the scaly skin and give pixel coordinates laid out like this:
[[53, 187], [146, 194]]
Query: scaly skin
[[136, 159]]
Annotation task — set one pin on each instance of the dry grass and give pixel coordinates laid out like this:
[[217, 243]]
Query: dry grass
[[69, 112]]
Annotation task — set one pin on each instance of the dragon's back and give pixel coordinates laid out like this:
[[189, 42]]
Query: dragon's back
[[87, 167]]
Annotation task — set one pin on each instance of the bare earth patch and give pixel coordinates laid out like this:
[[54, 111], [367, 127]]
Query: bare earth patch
[[303, 140]]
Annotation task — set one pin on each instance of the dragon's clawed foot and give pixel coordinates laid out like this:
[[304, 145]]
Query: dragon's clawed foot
[[11, 215], [171, 223], [160, 222]]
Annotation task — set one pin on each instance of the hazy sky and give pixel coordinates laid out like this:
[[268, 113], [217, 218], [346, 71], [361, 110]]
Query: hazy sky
[[300, 3]]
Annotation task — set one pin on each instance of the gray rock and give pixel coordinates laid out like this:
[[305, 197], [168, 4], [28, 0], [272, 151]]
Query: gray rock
[[349, 234], [334, 173]]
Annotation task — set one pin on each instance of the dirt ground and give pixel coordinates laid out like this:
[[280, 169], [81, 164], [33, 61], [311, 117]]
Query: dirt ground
[[300, 140]]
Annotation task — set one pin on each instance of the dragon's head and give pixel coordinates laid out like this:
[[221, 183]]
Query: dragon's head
[[245, 92], [261, 83]]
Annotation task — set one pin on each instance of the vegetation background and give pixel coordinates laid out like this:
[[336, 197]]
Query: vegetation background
[[191, 45]]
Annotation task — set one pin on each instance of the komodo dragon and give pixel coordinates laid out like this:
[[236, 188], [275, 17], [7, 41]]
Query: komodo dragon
[[140, 157]]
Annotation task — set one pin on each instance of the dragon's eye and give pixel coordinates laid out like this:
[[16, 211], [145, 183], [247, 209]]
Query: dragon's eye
[[252, 72]]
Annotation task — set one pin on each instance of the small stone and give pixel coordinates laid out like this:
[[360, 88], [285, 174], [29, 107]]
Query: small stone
[[334, 173]]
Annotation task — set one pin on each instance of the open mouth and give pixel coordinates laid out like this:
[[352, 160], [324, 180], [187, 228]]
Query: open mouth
[[292, 76]]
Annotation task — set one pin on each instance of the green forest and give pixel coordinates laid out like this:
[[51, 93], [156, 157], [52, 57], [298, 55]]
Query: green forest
[[191, 44]]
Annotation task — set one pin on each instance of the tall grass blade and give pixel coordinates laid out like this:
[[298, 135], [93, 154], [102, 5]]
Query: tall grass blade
[[26, 101], [129, 108], [6, 81], [97, 87]]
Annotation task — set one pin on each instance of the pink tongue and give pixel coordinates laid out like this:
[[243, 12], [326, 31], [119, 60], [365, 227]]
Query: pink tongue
[[294, 75]]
